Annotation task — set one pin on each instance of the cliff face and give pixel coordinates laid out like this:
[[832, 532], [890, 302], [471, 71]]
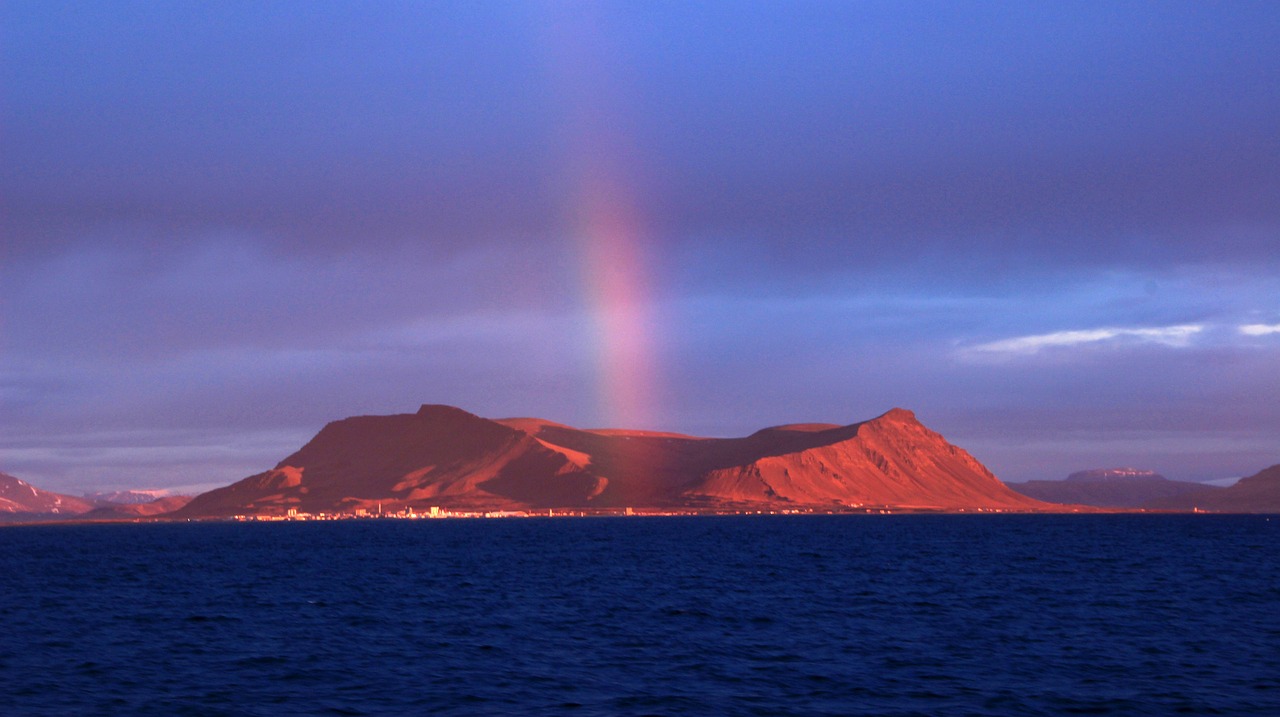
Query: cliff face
[[447, 457]]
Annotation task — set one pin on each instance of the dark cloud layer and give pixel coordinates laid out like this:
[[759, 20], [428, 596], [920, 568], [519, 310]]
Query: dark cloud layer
[[311, 124], [239, 221]]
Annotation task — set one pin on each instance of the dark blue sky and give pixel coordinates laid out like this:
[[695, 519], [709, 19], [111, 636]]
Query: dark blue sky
[[1051, 230]]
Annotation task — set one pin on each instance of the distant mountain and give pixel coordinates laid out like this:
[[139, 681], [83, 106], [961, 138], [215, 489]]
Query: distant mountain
[[159, 506], [1222, 482], [1108, 488], [1259, 493], [20, 500], [1114, 475], [126, 496], [447, 457]]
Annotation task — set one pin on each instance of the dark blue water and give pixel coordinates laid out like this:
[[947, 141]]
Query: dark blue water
[[895, 615]]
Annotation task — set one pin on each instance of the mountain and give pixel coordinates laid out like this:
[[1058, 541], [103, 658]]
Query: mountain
[[20, 500], [1107, 487], [126, 496], [444, 456], [124, 511], [1113, 475], [1259, 493]]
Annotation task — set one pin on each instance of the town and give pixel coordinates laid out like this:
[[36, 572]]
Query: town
[[436, 513]]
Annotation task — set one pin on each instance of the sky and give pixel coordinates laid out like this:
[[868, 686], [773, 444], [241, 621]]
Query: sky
[[1052, 230]]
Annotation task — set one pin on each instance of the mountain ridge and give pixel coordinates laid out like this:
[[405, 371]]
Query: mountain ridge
[[445, 456], [1108, 488], [19, 498], [1258, 493]]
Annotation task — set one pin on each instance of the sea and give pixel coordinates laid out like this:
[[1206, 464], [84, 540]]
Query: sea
[[730, 615]]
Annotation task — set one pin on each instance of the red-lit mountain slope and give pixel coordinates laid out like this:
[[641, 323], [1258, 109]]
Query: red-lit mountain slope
[[21, 500], [444, 456]]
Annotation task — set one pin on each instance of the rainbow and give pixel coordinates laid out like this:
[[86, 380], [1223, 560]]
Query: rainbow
[[616, 280], [608, 236]]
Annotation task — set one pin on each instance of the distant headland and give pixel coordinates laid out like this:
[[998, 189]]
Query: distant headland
[[443, 461]]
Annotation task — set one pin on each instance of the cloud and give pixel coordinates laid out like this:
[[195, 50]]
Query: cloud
[[213, 226], [1175, 336], [944, 147]]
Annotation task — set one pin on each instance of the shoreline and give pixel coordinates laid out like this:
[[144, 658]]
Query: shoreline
[[607, 513]]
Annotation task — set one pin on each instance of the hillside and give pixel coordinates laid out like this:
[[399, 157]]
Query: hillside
[[1108, 487], [1259, 493], [444, 456], [20, 500], [129, 511]]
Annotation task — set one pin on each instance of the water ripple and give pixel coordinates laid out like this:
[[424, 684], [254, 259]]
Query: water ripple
[[884, 615]]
